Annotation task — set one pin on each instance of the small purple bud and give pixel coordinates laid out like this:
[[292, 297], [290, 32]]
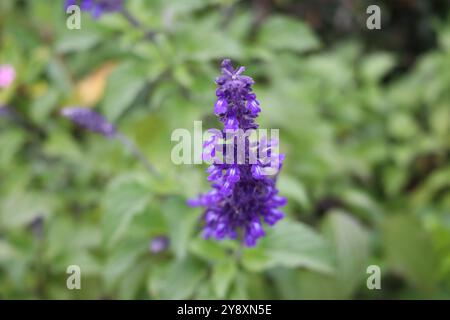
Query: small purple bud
[[209, 148], [247, 81], [221, 230], [220, 107], [90, 120], [239, 71], [37, 226], [231, 124], [250, 240], [69, 3], [257, 171], [273, 216], [233, 174], [227, 187], [87, 5], [253, 106], [195, 202], [159, 244], [211, 216], [214, 173], [97, 7], [219, 93], [257, 229], [208, 232], [97, 12], [220, 80], [279, 201], [226, 64]]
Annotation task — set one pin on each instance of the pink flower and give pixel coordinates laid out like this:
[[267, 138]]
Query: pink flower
[[7, 75]]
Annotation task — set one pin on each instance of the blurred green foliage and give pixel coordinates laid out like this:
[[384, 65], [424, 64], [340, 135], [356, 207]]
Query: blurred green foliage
[[367, 170]]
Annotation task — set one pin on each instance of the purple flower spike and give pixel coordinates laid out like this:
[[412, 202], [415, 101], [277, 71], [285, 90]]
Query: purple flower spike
[[97, 7], [90, 120], [243, 196]]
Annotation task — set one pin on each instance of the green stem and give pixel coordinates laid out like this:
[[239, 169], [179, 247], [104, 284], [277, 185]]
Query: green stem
[[137, 154], [149, 34]]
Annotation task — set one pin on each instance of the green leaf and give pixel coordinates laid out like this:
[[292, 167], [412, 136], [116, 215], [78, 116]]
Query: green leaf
[[124, 84], [350, 242], [59, 76], [402, 126], [178, 281], [79, 40], [258, 288], [206, 292], [290, 244], [240, 287], [122, 261], [11, 141], [440, 120], [393, 179], [208, 250], [20, 209], [362, 203], [313, 285], [88, 263], [285, 281], [281, 33], [7, 251], [132, 282], [223, 275], [293, 189], [375, 66], [181, 224], [409, 250], [201, 41], [125, 197], [61, 144], [43, 105], [304, 284]]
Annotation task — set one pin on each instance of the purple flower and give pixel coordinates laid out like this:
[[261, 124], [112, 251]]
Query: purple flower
[[243, 196], [7, 75], [159, 244], [97, 7], [90, 120]]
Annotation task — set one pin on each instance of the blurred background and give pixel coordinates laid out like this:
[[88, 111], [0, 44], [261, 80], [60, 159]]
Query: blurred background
[[364, 119]]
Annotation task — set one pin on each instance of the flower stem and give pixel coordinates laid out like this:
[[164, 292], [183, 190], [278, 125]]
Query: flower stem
[[149, 34], [131, 19], [238, 252], [137, 154]]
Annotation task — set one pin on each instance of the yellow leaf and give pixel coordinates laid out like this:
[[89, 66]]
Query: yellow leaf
[[89, 90]]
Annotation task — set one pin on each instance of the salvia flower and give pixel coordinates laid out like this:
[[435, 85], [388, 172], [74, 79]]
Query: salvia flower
[[243, 195], [97, 7], [7, 75], [90, 120]]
